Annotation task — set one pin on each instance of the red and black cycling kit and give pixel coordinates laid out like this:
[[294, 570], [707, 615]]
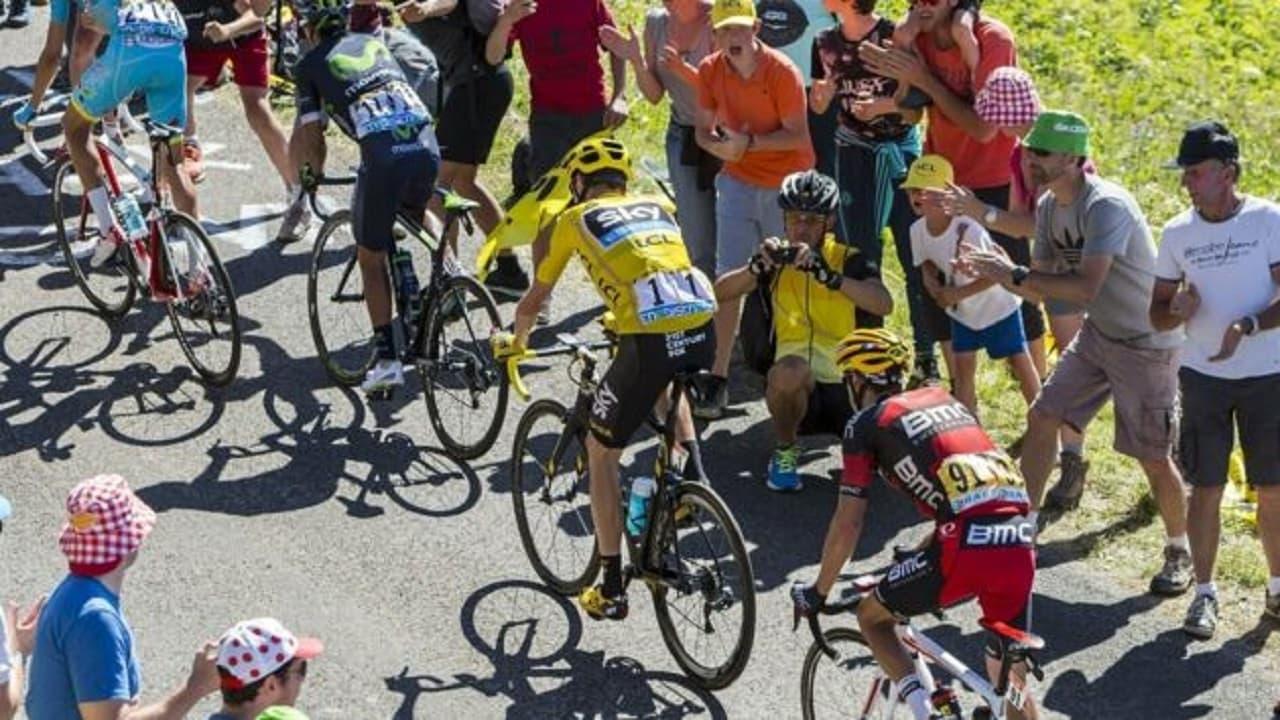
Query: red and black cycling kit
[[927, 444]]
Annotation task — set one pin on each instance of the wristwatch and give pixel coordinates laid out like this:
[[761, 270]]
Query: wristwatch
[[1019, 274], [1252, 324], [990, 216]]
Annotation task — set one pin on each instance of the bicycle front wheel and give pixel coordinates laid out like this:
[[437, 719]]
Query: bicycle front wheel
[[204, 314], [553, 509], [707, 605], [110, 288], [466, 398], [335, 303], [851, 685]]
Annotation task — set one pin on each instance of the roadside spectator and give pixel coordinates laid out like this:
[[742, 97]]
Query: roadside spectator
[[983, 315], [676, 38], [818, 287], [260, 665], [751, 115], [476, 95], [876, 140], [85, 662], [1117, 353], [1218, 272], [561, 50], [17, 638], [976, 149], [1009, 102], [791, 26]]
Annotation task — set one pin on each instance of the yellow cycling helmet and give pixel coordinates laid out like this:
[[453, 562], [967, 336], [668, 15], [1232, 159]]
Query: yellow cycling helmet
[[878, 355], [598, 153]]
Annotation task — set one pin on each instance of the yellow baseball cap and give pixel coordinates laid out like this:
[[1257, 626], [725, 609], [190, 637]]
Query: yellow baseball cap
[[929, 172], [733, 12]]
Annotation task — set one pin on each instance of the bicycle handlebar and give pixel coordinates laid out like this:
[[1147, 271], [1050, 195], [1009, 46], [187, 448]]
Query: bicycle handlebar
[[513, 362]]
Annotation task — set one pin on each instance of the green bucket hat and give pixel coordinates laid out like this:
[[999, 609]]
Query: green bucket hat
[[1061, 132], [281, 712]]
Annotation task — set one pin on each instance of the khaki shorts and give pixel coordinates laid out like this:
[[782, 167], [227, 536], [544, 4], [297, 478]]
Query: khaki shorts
[[1143, 382]]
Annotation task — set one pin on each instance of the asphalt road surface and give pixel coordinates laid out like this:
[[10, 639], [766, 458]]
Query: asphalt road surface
[[283, 495]]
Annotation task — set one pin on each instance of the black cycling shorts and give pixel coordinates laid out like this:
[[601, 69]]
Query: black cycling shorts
[[395, 173], [643, 367], [471, 115]]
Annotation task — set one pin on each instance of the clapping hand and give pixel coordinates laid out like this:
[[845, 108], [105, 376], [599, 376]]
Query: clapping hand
[[626, 46], [1185, 302]]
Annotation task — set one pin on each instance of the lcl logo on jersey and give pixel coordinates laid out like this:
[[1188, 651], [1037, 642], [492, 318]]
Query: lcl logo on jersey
[[918, 485]]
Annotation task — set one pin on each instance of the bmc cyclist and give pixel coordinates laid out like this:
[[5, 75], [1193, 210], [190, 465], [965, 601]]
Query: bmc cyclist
[[927, 444], [144, 54], [352, 78], [636, 258]]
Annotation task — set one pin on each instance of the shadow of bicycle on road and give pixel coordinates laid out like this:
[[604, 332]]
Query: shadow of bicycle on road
[[530, 637]]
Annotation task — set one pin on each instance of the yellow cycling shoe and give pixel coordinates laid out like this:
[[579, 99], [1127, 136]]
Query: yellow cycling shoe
[[597, 606]]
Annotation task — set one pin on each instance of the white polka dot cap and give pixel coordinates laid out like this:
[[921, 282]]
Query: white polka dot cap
[[253, 649]]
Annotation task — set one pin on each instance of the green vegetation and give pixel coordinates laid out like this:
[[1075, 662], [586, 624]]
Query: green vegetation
[[1139, 71]]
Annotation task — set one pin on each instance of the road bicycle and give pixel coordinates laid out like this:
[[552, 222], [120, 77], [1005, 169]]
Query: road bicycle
[[445, 326], [175, 263], [848, 683], [691, 554]]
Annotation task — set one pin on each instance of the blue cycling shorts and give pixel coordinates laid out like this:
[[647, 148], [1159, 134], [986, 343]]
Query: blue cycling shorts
[[158, 71], [60, 11]]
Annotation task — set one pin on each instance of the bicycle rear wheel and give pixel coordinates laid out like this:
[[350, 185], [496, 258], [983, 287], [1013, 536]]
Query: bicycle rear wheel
[[852, 685], [553, 514], [110, 288], [204, 318], [335, 303], [711, 591], [466, 397]]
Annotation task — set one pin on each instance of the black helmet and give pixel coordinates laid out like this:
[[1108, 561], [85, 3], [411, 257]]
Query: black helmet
[[809, 191]]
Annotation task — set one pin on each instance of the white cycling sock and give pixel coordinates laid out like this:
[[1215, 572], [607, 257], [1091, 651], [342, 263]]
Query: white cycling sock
[[1209, 588], [911, 692], [102, 209], [1178, 541]]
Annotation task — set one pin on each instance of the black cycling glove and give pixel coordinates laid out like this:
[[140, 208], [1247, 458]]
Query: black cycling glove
[[756, 265], [817, 267]]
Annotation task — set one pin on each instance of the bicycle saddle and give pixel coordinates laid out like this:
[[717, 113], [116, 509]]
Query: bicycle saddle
[[1020, 642], [160, 132]]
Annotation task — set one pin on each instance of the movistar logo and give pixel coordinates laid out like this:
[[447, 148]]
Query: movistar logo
[[349, 66]]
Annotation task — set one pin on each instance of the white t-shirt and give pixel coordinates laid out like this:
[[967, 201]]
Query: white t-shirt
[[1230, 264], [975, 312]]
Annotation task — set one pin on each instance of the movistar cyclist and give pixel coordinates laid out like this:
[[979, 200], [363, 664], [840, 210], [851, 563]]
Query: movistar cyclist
[[144, 55], [927, 444], [636, 259], [351, 78]]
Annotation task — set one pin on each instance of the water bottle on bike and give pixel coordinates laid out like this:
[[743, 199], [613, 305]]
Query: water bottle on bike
[[638, 502], [402, 262]]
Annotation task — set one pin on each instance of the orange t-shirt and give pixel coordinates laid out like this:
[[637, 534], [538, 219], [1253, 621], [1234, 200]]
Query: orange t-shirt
[[977, 165], [757, 105]]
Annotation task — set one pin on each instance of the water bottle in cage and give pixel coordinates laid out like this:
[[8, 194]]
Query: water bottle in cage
[[638, 502], [129, 215], [407, 281]]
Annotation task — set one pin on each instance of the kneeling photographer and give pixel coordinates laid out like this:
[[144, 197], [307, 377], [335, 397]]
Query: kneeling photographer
[[811, 291]]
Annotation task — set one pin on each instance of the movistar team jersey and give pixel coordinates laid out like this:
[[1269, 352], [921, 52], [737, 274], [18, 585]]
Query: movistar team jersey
[[636, 258], [809, 320], [927, 444], [353, 79], [140, 22]]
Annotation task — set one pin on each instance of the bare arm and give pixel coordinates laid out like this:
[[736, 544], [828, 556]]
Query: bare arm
[[644, 66], [870, 295], [307, 147], [1078, 286], [527, 310], [842, 539], [734, 284], [495, 47], [1161, 312], [793, 135]]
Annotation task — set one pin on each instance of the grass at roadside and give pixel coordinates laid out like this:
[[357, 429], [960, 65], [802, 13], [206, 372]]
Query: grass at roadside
[[1139, 70]]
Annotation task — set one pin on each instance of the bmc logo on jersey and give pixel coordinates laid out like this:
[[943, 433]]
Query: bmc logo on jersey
[[908, 568], [610, 224], [917, 485], [935, 419], [1019, 532]]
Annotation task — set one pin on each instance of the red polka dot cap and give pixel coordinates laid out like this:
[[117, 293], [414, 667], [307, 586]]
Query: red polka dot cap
[[253, 649]]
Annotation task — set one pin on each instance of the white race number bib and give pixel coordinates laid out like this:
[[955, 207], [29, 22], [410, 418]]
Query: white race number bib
[[390, 106], [672, 293]]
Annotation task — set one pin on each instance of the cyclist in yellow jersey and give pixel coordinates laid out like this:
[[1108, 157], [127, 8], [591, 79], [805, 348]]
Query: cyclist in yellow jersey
[[636, 258], [820, 291]]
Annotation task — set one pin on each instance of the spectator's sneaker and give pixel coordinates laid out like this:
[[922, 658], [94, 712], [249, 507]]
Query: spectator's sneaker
[[193, 162], [296, 222], [712, 398], [383, 377], [1202, 617], [1175, 577], [19, 14], [598, 606], [1066, 494], [1272, 608], [783, 476], [23, 116], [107, 247], [507, 278]]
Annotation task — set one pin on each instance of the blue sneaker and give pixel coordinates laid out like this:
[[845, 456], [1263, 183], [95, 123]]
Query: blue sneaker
[[782, 470], [23, 116]]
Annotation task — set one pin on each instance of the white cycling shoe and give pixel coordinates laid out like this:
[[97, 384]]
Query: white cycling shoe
[[107, 246], [383, 377]]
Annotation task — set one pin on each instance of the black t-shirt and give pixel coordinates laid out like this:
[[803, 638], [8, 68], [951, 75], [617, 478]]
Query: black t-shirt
[[199, 12], [353, 79], [837, 57], [457, 40]]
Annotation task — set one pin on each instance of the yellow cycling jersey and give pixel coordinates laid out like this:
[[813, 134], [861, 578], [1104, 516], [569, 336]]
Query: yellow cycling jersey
[[636, 258], [809, 320]]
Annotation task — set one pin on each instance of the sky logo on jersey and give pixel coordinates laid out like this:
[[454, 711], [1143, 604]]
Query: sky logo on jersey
[[349, 66], [612, 224]]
